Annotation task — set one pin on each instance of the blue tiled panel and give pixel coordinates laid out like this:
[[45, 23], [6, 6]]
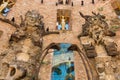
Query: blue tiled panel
[[62, 70], [63, 67]]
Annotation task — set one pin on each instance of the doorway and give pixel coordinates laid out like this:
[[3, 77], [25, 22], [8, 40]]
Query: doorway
[[63, 64]]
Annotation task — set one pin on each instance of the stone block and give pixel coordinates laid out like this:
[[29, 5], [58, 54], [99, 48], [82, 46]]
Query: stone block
[[23, 57]]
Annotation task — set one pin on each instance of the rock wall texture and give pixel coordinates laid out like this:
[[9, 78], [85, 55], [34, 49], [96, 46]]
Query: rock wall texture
[[49, 11]]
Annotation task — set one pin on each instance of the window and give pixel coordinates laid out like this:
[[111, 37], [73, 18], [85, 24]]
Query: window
[[64, 1], [63, 19]]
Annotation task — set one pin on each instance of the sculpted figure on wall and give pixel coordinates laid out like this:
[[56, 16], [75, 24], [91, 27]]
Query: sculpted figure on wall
[[101, 70], [97, 29], [105, 69], [25, 43]]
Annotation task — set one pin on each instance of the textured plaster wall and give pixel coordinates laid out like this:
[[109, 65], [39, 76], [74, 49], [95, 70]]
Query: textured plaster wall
[[49, 11]]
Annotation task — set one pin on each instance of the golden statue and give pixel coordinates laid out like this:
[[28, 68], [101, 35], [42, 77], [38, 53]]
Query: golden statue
[[63, 22]]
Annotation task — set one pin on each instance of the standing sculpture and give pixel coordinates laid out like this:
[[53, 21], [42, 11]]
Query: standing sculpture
[[96, 39], [95, 27], [26, 47]]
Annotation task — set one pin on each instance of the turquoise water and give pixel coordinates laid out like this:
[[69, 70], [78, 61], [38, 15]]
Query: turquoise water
[[65, 69]]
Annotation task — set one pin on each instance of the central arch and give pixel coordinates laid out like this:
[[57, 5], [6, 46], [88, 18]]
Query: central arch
[[72, 47], [63, 63]]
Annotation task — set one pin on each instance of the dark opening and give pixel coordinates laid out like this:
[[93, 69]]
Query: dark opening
[[13, 71], [64, 1]]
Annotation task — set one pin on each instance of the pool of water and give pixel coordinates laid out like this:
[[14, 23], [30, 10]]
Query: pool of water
[[63, 64]]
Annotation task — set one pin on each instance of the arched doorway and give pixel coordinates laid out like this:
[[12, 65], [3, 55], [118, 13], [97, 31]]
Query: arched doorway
[[58, 62], [63, 64]]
